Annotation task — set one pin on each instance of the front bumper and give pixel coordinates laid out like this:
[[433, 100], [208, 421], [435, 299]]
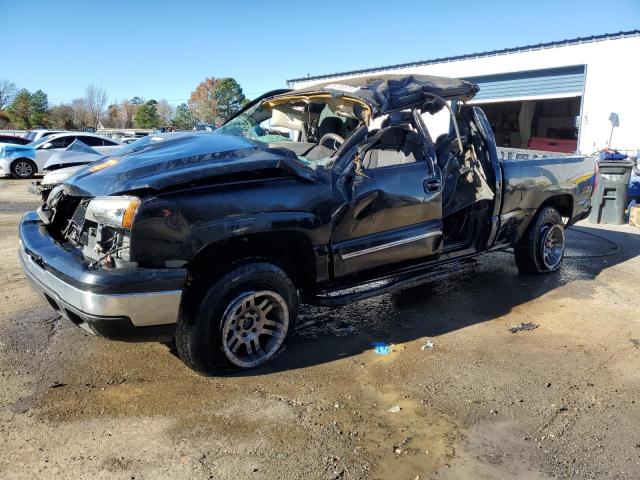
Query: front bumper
[[130, 304]]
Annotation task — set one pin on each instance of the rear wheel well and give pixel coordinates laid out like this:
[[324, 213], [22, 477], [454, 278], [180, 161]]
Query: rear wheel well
[[562, 203], [291, 251]]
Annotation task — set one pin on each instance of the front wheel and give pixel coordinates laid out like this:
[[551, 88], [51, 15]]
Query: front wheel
[[541, 250], [242, 322], [23, 168]]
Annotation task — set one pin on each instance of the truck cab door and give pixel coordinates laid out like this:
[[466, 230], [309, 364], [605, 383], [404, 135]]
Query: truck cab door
[[392, 205]]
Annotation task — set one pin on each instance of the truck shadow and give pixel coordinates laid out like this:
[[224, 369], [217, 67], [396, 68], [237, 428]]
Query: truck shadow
[[493, 290]]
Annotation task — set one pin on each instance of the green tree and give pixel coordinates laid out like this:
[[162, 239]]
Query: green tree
[[184, 118], [39, 106], [20, 109], [146, 116], [229, 98]]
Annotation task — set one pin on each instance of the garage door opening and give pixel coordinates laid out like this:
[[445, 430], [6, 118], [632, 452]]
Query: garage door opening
[[550, 125]]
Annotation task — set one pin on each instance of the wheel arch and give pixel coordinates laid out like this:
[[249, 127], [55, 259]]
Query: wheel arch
[[30, 160], [515, 231], [291, 250], [562, 202]]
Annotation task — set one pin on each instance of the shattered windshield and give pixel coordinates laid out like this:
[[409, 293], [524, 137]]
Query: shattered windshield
[[313, 126], [246, 126]]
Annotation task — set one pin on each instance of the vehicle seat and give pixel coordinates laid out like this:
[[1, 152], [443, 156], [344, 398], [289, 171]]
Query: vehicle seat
[[330, 125], [395, 145]]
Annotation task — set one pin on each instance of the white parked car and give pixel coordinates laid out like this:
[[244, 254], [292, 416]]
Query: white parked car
[[24, 161], [38, 133], [47, 146]]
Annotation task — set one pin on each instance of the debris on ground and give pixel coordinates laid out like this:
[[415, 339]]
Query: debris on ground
[[381, 348], [395, 409], [635, 342], [429, 344], [523, 326], [342, 329]]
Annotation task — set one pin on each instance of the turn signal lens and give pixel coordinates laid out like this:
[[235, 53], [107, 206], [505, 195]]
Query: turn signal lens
[[106, 164], [127, 218]]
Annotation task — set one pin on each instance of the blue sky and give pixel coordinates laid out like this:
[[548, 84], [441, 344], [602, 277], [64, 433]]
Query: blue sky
[[163, 49]]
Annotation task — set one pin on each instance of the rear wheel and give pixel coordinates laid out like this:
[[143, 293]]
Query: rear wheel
[[541, 250], [243, 321], [23, 168]]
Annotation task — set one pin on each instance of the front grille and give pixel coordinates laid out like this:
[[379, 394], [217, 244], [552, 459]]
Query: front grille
[[78, 215], [68, 219], [64, 207], [75, 226]]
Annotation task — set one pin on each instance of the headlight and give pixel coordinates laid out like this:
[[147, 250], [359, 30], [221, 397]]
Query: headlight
[[57, 176], [114, 211], [54, 196]]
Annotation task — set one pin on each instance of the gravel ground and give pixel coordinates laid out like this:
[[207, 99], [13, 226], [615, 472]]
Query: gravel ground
[[483, 403]]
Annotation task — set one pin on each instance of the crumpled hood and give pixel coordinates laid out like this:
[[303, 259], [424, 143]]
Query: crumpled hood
[[181, 158], [66, 157]]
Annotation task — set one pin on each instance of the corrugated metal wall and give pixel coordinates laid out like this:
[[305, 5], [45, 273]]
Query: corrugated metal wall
[[534, 83]]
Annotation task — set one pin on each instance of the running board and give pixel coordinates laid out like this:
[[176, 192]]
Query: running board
[[391, 284]]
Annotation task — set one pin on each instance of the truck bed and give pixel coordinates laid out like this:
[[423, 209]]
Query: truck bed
[[529, 182]]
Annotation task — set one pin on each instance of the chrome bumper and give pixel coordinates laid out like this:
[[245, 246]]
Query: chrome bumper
[[144, 309], [97, 300]]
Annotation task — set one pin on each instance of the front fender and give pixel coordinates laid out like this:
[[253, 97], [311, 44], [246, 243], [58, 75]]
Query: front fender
[[205, 234]]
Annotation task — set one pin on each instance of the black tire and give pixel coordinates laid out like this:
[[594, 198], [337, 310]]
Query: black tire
[[23, 168], [204, 334], [541, 250]]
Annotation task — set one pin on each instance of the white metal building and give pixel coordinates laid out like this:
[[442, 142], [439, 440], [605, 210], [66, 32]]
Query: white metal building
[[557, 96]]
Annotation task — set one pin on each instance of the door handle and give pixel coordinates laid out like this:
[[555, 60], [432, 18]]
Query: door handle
[[432, 185]]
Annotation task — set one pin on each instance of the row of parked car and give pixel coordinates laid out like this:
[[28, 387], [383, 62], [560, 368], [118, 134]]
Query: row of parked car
[[24, 157]]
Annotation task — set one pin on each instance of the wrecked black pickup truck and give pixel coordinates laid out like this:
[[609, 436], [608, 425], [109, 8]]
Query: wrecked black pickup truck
[[326, 195]]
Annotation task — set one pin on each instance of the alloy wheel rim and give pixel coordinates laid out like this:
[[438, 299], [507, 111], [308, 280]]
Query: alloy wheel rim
[[254, 327], [552, 245], [23, 169]]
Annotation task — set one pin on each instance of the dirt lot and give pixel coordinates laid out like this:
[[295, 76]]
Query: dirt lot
[[484, 403]]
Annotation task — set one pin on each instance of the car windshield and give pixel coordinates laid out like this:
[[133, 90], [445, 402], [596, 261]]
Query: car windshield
[[31, 135], [311, 126]]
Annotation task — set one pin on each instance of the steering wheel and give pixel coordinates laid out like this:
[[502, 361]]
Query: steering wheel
[[334, 138]]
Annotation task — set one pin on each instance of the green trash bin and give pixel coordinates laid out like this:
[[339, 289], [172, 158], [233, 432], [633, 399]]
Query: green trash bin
[[609, 200]]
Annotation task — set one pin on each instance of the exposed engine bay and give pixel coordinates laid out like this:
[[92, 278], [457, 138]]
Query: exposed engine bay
[[68, 221]]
